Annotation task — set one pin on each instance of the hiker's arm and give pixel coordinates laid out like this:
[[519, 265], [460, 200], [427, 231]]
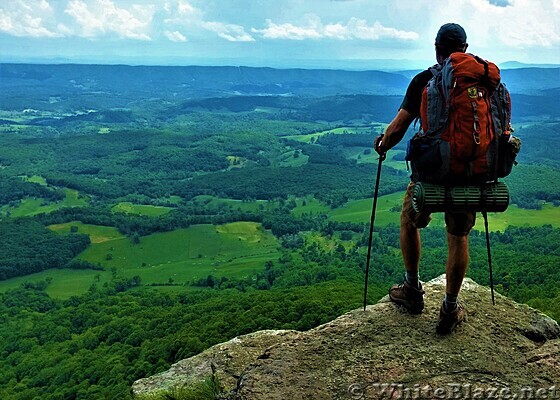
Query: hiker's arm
[[396, 130]]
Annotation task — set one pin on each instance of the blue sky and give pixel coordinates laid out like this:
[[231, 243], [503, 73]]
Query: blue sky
[[285, 33]]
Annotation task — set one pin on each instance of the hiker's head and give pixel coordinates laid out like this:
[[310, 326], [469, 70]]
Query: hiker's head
[[450, 38]]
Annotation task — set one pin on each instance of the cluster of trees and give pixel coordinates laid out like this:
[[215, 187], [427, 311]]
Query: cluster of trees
[[532, 184], [131, 224], [26, 247], [188, 158], [96, 345], [14, 189], [323, 181], [347, 140], [118, 163]]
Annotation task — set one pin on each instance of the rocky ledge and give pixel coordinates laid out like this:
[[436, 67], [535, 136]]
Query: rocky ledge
[[384, 352]]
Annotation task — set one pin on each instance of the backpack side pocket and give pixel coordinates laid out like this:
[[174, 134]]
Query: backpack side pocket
[[429, 158]]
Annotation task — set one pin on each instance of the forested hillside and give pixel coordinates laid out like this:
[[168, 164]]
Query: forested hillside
[[147, 213]]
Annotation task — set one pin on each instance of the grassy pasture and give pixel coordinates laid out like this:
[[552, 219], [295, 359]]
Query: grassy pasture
[[357, 153], [35, 179], [288, 160], [141, 209], [65, 282], [338, 131], [235, 161], [97, 233], [360, 210], [312, 206], [231, 250], [214, 202], [33, 206], [234, 250], [516, 216]]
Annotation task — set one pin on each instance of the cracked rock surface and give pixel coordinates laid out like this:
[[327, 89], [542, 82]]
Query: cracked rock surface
[[508, 345]]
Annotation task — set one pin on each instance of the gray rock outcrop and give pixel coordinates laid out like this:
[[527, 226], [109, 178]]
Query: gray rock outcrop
[[384, 351]]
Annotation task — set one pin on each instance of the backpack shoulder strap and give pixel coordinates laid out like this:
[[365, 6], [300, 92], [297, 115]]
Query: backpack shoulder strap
[[435, 69], [501, 108]]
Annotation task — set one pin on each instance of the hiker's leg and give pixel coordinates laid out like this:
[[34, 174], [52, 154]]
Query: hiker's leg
[[411, 222], [410, 246], [458, 226], [451, 313], [409, 293], [457, 262]]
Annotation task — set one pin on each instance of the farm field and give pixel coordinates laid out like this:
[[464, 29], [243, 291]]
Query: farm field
[[357, 153], [33, 206], [388, 210], [96, 233], [185, 254], [312, 206], [516, 216], [141, 209], [214, 202], [338, 131], [36, 179], [231, 250], [64, 283]]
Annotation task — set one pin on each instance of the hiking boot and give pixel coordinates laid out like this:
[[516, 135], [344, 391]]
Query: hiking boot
[[447, 322], [408, 296]]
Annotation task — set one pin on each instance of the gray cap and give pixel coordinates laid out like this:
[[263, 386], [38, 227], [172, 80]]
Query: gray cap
[[451, 35]]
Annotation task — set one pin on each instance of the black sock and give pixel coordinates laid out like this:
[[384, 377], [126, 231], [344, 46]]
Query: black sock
[[412, 279], [450, 302]]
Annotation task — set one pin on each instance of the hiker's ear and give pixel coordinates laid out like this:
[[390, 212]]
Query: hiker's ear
[[465, 48]]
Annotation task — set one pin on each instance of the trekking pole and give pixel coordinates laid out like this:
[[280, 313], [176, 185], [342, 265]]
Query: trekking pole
[[381, 158], [489, 255]]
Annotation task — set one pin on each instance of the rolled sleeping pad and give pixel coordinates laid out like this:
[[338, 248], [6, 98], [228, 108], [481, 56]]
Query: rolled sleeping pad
[[490, 197]]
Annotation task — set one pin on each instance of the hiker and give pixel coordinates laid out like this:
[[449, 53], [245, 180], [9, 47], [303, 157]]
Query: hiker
[[450, 38]]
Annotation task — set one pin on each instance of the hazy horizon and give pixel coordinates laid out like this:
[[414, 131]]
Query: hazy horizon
[[342, 65]]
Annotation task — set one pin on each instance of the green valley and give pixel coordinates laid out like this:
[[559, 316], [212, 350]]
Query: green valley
[[147, 213]]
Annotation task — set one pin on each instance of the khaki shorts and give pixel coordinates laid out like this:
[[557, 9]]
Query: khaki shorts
[[458, 224]]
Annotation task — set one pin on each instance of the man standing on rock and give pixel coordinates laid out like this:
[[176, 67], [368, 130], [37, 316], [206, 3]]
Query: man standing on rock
[[450, 38]]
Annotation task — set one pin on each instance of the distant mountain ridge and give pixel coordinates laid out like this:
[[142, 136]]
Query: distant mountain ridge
[[517, 64], [54, 84], [197, 82]]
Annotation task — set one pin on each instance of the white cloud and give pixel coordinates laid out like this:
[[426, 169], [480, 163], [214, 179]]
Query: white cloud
[[314, 29], [102, 17], [27, 18], [515, 23], [186, 8], [175, 36], [182, 14], [230, 32], [64, 30], [287, 31], [360, 29]]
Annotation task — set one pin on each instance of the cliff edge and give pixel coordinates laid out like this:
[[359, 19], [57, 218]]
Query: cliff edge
[[384, 352]]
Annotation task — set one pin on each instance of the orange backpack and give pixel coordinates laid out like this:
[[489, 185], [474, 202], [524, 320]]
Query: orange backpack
[[455, 144]]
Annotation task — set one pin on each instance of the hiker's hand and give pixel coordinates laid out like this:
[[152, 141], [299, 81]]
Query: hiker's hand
[[378, 145]]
